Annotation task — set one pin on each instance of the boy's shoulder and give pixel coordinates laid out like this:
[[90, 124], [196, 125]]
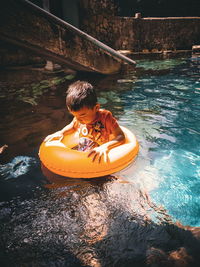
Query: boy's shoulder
[[105, 112], [106, 117]]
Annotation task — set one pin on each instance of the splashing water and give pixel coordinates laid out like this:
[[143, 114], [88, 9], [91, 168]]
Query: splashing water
[[20, 165]]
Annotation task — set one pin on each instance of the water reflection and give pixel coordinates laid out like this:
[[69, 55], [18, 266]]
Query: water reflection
[[48, 220]]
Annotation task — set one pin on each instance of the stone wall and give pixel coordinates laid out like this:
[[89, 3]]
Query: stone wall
[[27, 27], [11, 55], [156, 34], [98, 18]]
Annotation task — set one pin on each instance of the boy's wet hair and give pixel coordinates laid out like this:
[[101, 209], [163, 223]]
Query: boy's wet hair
[[80, 94]]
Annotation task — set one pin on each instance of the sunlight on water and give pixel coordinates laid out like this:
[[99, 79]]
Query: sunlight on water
[[163, 112], [159, 64], [125, 219], [179, 189]]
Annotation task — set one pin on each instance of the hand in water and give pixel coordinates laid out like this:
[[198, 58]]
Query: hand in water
[[98, 152], [56, 135]]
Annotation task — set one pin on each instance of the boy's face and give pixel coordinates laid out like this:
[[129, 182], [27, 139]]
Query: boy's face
[[85, 115]]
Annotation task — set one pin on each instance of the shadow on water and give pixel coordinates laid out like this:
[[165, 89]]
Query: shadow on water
[[20, 178], [87, 222]]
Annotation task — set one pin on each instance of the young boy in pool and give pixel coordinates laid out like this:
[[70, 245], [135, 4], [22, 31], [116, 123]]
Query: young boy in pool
[[98, 129]]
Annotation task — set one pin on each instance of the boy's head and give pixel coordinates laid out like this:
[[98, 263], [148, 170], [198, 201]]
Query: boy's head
[[81, 94], [81, 101]]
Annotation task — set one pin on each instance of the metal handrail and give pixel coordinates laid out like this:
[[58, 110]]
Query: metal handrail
[[96, 42]]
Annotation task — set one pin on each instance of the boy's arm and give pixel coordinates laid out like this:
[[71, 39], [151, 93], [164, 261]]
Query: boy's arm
[[102, 150], [59, 134]]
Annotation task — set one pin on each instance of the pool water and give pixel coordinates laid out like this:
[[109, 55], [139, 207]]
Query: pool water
[[127, 219], [163, 109]]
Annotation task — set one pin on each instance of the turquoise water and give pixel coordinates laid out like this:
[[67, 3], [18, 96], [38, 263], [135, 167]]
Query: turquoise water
[[47, 220], [162, 108]]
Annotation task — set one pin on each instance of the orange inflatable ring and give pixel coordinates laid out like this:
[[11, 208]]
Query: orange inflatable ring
[[59, 157]]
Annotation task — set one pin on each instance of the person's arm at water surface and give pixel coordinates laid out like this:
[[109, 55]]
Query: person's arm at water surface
[[69, 128], [103, 149]]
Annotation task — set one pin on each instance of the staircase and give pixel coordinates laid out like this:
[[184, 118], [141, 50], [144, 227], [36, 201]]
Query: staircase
[[32, 28]]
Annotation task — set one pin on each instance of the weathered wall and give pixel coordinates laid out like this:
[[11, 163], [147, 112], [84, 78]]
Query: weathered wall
[[156, 33], [31, 29], [98, 19], [11, 55]]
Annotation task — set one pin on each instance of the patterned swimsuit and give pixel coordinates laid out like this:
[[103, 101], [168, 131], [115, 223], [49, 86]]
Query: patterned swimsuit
[[98, 132]]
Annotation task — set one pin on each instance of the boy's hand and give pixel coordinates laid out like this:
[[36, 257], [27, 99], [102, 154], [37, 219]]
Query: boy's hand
[[56, 135], [98, 152]]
